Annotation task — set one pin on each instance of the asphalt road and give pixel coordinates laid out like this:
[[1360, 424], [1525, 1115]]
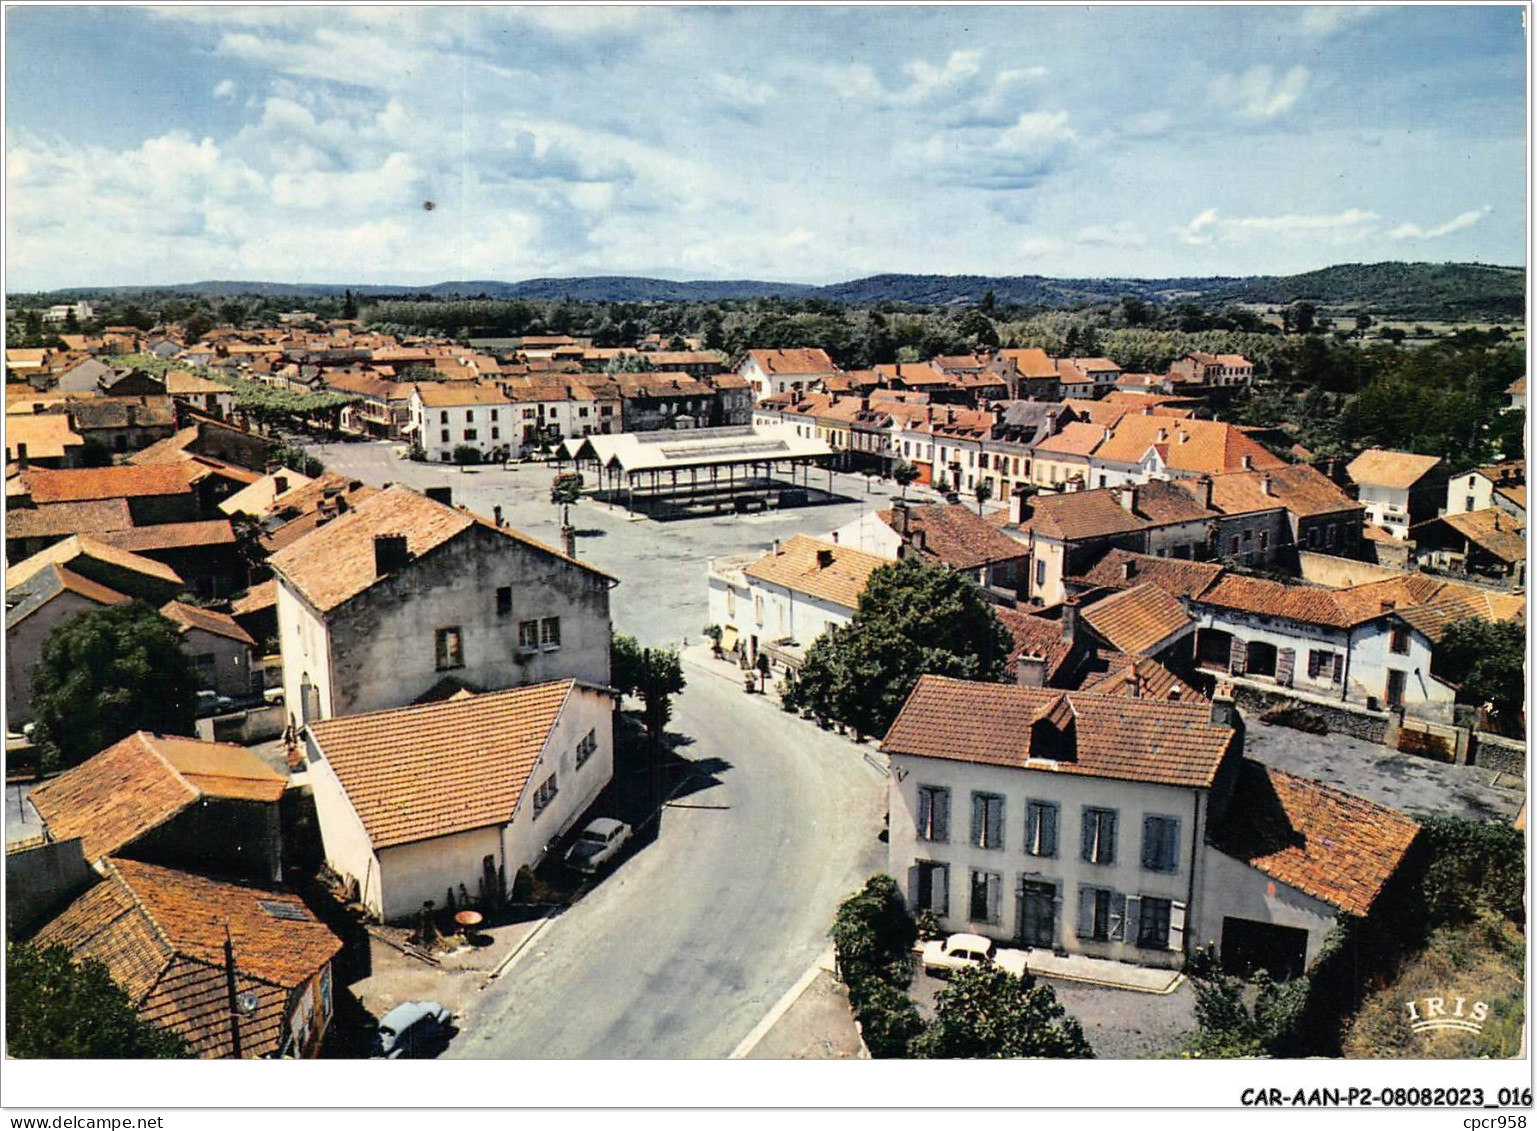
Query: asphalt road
[[683, 948]]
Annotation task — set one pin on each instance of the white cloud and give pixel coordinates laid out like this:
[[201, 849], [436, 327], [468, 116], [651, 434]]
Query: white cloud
[[1150, 123], [1039, 247], [1323, 21], [741, 92], [1210, 225], [1259, 93], [984, 157], [1123, 234], [1455, 224], [224, 90]]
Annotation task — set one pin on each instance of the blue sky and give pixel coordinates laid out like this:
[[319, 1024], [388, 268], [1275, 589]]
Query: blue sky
[[803, 144]]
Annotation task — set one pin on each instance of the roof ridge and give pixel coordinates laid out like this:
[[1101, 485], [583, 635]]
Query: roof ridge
[[149, 917]]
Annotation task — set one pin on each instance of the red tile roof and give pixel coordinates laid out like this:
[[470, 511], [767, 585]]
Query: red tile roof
[[1122, 569], [140, 783], [431, 770], [172, 536], [957, 536], [793, 362], [1320, 840], [94, 516], [1137, 620], [124, 482], [826, 570], [1382, 468], [186, 617], [1113, 737]]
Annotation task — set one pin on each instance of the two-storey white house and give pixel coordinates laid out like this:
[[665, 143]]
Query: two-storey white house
[[1119, 828], [1501, 485], [448, 414], [1399, 489], [791, 595], [456, 796], [402, 594], [770, 372]]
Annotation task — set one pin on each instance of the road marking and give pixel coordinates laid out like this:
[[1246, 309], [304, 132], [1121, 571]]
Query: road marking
[[772, 1017]]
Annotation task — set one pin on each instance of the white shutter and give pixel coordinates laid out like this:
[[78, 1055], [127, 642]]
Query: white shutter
[[914, 897], [1131, 920], [1177, 926], [1086, 912], [1117, 925]]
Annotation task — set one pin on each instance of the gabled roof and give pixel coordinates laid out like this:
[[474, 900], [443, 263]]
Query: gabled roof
[[25, 597], [1137, 620], [261, 596], [1451, 601], [124, 482], [1030, 362], [415, 773], [1114, 737], [1079, 438], [1139, 677], [1491, 530], [257, 498], [1301, 489], [793, 362], [1036, 636], [459, 394], [1122, 569], [161, 935], [47, 435], [957, 536], [140, 783], [1204, 446], [93, 516], [1333, 608], [181, 383], [186, 617], [825, 570], [88, 546], [172, 536], [1077, 515], [335, 562], [1331, 845], [1378, 467]]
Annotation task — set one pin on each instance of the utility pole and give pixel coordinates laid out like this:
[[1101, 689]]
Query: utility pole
[[234, 1004]]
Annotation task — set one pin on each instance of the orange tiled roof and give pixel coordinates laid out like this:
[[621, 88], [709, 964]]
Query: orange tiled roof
[[263, 596], [93, 516], [798, 566], [1491, 529], [1186, 445], [89, 546], [161, 935], [1113, 737], [172, 536], [1302, 490], [457, 394], [793, 362], [140, 783], [1079, 438], [1030, 362], [1382, 468], [1036, 636], [1139, 677], [123, 482], [1122, 569], [1137, 620], [1330, 844], [1077, 515], [431, 770], [208, 620], [46, 435]]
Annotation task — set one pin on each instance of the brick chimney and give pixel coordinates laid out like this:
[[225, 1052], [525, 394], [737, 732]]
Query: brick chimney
[[390, 553], [1224, 712], [1203, 490], [1129, 498], [568, 537], [1030, 670], [21, 455], [279, 484], [1128, 569]]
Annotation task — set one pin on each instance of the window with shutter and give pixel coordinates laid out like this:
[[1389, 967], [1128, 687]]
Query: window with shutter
[[1339, 667], [1041, 828], [1115, 917], [1098, 835], [1160, 843], [1153, 922], [986, 820], [1086, 904], [933, 813], [986, 903]]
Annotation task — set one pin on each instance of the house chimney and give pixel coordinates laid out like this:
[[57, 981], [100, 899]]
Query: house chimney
[[1030, 670], [496, 515], [1248, 463], [341, 504], [568, 536], [279, 484], [776, 547], [900, 517], [21, 455], [1129, 498], [444, 495], [920, 539], [824, 559], [390, 553], [1389, 606], [1128, 569], [1176, 693], [1069, 621], [1184, 437], [1204, 485], [1264, 485], [1224, 712], [1163, 435]]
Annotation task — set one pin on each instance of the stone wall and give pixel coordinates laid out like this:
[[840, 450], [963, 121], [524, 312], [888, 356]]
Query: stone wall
[[40, 880], [1340, 718], [1503, 755]]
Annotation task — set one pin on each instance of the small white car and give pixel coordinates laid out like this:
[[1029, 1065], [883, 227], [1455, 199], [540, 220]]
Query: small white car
[[598, 844], [959, 952]]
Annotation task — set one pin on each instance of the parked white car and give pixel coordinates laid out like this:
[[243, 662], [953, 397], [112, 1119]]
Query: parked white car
[[959, 952], [598, 844]]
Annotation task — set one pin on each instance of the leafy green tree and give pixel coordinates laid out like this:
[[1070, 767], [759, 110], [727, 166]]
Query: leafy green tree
[[912, 620], [987, 1012], [872, 928], [1487, 662], [57, 1010], [905, 475], [629, 363], [653, 675], [103, 675], [349, 306], [984, 492], [1472, 867], [566, 489], [466, 455], [1239, 1019], [1303, 316], [196, 325]]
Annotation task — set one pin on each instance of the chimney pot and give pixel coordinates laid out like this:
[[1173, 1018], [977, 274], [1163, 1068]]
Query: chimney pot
[[279, 484], [1069, 622], [1030, 670]]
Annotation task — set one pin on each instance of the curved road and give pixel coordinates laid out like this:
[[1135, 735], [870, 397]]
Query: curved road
[[687, 944]]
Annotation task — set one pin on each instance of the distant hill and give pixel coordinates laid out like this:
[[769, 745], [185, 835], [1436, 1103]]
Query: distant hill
[[1412, 290]]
